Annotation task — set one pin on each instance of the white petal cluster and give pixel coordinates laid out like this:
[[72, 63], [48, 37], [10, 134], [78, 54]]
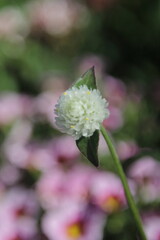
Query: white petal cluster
[[80, 111]]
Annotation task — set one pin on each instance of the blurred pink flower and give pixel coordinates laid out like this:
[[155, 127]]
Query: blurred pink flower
[[12, 107], [145, 168], [18, 202], [40, 157], [9, 174], [18, 208], [52, 188], [146, 174], [59, 186], [65, 150], [114, 91], [107, 192], [14, 146], [74, 222], [17, 154], [57, 18], [25, 229], [43, 106], [21, 152], [149, 192], [30, 156], [20, 132], [152, 227], [13, 24], [127, 149], [79, 182], [115, 120]]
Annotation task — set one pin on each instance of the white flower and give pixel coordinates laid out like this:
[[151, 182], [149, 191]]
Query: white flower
[[80, 111]]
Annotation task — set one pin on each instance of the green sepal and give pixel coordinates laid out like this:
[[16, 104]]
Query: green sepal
[[88, 146], [88, 79]]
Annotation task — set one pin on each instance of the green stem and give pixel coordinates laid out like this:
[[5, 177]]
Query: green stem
[[122, 176]]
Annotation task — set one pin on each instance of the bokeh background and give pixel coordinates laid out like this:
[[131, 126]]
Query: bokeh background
[[48, 191]]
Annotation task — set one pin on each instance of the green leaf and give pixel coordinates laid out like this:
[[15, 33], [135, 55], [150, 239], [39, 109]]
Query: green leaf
[[88, 146], [88, 79]]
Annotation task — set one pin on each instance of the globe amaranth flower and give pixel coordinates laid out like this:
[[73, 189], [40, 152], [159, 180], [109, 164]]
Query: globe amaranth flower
[[80, 111]]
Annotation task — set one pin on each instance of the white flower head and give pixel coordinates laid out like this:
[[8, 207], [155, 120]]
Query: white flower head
[[80, 111]]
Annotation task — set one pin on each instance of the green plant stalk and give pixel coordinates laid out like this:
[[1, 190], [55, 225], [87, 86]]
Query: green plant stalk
[[122, 176]]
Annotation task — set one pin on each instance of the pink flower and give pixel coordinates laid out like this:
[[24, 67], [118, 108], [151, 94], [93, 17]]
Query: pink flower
[[12, 107], [107, 192], [146, 173], [76, 222], [17, 154], [59, 186], [79, 184], [51, 188], [40, 157], [115, 120], [9, 174], [65, 150], [30, 156], [149, 192], [43, 107], [115, 91], [127, 149], [19, 202], [56, 18], [144, 169], [18, 208], [152, 227], [25, 229], [20, 132]]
